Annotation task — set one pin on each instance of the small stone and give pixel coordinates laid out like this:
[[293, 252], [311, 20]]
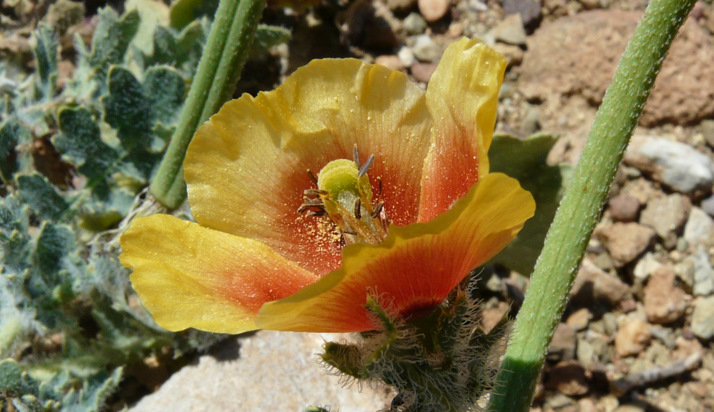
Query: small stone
[[399, 5], [559, 401], [632, 337], [568, 378], [390, 61], [414, 24], [702, 319], [529, 10], [562, 346], [664, 301], [624, 208], [579, 319], [677, 165], [425, 49], [603, 261], [513, 54], [531, 120], [630, 408], [666, 215], [406, 56], [707, 129], [708, 205], [422, 71], [492, 316], [646, 266], [685, 271], [625, 241], [433, 10], [699, 230], [510, 31], [592, 350], [703, 273], [592, 284]]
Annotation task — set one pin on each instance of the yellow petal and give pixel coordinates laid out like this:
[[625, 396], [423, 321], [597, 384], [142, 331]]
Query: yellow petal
[[246, 168], [190, 276], [462, 97], [414, 268]]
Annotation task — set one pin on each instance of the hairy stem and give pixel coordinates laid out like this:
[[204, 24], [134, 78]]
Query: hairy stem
[[218, 72], [583, 201]]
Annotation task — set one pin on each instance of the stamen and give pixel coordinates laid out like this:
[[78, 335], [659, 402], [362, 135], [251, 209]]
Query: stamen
[[365, 166], [377, 210], [379, 188], [358, 208], [355, 155], [311, 176]]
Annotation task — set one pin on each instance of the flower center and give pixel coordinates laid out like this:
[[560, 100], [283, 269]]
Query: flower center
[[344, 195]]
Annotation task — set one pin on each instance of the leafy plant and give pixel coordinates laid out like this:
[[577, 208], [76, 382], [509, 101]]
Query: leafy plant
[[72, 162]]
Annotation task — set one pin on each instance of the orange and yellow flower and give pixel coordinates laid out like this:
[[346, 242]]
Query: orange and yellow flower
[[428, 210]]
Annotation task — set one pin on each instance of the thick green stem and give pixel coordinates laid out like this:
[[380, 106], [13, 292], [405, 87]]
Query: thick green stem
[[218, 72], [583, 201]]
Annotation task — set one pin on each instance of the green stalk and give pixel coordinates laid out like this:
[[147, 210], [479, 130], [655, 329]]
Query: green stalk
[[218, 72], [583, 201]]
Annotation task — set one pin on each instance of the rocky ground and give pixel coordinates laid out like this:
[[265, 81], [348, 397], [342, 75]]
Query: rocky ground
[[638, 332]]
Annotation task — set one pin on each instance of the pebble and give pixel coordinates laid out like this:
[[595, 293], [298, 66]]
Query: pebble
[[510, 31], [699, 229], [624, 208], [433, 10], [568, 378], [529, 10], [406, 56], [707, 129], [513, 54], [390, 61], [414, 24], [646, 266], [675, 164], [422, 71], [632, 337], [562, 346], [703, 273], [685, 271], [702, 319], [664, 301], [625, 241], [579, 319], [592, 350], [593, 284], [708, 205], [425, 49], [666, 215], [399, 5]]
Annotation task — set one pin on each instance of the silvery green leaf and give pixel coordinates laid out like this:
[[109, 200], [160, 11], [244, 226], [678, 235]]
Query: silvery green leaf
[[45, 53], [268, 36], [80, 143], [41, 196]]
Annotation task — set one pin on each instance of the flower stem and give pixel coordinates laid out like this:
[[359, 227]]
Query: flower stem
[[583, 201], [218, 72]]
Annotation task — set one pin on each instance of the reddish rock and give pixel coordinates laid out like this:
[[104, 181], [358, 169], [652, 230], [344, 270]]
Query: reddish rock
[[632, 337], [433, 10], [568, 378], [593, 284], [625, 241], [664, 301], [562, 346], [624, 208], [578, 55], [666, 215], [422, 71]]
